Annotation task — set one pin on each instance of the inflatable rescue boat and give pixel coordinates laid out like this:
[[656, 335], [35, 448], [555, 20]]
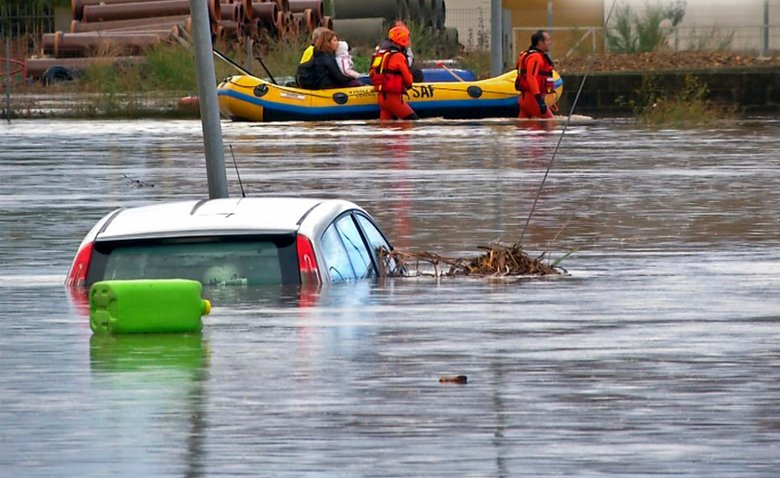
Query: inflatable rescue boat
[[248, 98]]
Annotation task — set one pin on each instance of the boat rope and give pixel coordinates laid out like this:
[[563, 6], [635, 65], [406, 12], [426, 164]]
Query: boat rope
[[292, 89], [563, 132], [313, 93]]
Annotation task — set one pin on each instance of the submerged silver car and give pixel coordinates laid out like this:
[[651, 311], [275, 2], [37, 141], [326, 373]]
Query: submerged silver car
[[252, 241]]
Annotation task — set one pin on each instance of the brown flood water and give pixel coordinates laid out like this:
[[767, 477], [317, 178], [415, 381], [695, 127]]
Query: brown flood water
[[658, 355]]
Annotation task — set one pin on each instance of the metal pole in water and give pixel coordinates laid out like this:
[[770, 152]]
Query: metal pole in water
[[506, 41], [207, 96], [765, 44], [550, 20], [8, 78], [496, 60]]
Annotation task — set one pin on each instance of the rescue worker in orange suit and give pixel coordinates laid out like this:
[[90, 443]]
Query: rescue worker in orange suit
[[391, 76], [535, 77]]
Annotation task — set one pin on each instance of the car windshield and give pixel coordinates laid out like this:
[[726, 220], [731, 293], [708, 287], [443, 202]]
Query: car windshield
[[211, 261]]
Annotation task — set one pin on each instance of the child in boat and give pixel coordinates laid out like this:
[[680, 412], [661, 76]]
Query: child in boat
[[345, 63], [326, 71]]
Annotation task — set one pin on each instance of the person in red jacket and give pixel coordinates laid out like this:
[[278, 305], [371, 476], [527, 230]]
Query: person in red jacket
[[391, 76], [535, 77]]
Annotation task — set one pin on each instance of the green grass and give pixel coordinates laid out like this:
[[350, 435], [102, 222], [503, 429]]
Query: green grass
[[167, 68], [168, 72]]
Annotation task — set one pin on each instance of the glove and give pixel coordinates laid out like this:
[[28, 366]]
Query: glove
[[542, 104]]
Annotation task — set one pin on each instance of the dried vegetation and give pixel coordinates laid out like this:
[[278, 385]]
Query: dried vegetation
[[497, 260], [663, 61]]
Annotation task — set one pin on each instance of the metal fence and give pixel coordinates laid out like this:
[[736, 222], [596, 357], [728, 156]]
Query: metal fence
[[26, 18], [22, 25], [473, 26]]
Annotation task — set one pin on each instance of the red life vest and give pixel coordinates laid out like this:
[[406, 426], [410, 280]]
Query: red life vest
[[385, 80], [544, 76]]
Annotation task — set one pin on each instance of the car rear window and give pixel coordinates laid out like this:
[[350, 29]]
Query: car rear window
[[211, 261]]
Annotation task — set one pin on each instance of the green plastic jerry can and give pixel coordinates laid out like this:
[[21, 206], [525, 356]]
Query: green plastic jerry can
[[146, 306]]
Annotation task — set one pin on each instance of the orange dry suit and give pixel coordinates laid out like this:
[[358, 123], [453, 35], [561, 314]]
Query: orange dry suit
[[391, 77], [534, 80]]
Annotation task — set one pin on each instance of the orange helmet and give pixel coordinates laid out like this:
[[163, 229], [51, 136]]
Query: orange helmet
[[399, 35]]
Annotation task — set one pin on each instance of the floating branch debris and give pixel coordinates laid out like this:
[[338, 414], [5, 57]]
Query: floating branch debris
[[497, 260]]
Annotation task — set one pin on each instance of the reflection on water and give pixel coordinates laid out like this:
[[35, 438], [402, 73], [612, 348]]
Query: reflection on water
[[164, 352], [154, 388], [657, 355]]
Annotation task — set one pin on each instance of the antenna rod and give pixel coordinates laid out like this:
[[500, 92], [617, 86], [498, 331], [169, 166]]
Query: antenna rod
[[235, 164], [8, 79], [207, 94], [560, 138]]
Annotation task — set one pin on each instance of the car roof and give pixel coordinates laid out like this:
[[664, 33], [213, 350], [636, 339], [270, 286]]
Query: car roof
[[229, 216]]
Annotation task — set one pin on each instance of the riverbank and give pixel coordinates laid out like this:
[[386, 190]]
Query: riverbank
[[65, 104], [613, 81]]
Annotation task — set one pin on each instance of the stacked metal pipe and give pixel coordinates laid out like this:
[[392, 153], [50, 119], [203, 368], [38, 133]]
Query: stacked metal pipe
[[117, 28], [121, 27]]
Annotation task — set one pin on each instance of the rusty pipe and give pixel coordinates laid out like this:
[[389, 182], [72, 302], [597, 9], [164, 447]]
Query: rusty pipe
[[229, 29], [81, 27], [281, 22], [233, 12], [247, 4], [306, 20], [282, 5], [294, 26], [134, 10], [316, 6], [77, 6], [126, 11], [266, 12], [60, 43]]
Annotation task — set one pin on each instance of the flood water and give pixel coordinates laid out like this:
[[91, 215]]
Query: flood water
[[659, 353]]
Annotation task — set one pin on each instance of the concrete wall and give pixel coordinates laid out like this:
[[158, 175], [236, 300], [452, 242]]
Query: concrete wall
[[754, 90]]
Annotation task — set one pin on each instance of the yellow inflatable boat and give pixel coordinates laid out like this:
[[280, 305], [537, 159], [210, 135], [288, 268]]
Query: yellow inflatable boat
[[248, 98]]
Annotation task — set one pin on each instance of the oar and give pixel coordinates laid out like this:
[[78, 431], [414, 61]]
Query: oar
[[441, 64], [232, 63], [266, 70], [240, 68]]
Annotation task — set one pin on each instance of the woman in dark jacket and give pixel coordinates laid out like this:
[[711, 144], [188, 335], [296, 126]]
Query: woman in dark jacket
[[326, 69]]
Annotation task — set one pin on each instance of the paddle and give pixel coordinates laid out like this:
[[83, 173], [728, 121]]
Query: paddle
[[230, 62], [240, 68], [266, 70], [441, 64]]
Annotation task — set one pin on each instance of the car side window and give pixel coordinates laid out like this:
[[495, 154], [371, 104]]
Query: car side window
[[373, 236], [335, 256], [359, 256]]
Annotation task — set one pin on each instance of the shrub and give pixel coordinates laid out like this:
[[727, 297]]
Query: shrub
[[635, 33], [688, 106]]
